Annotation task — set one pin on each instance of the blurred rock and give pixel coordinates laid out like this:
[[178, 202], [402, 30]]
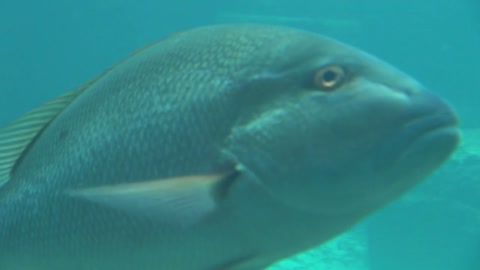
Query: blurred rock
[[345, 252]]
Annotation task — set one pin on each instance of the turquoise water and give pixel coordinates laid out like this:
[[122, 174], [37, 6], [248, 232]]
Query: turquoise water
[[50, 47]]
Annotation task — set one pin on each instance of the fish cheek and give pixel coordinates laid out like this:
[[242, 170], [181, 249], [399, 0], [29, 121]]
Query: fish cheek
[[300, 153], [298, 146]]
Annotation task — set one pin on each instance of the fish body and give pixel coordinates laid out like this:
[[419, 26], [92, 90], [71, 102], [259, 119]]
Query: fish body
[[223, 147]]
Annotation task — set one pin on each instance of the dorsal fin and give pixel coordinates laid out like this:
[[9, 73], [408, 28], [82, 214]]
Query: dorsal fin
[[15, 137]]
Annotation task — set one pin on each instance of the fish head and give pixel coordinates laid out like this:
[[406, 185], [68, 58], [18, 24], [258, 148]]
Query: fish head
[[333, 130]]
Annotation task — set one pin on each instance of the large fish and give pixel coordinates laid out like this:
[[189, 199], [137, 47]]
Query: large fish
[[220, 148]]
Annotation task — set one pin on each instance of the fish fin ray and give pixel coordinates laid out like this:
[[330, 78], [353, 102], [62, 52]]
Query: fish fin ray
[[183, 200], [18, 135]]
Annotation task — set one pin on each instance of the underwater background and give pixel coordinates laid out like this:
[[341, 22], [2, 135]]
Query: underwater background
[[50, 47]]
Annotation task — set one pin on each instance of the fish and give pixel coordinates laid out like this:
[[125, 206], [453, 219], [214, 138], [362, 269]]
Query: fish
[[222, 147]]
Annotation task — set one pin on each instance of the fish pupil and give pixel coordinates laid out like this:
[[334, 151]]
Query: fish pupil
[[329, 76]]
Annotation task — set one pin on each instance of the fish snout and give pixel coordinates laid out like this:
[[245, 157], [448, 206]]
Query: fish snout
[[430, 129]]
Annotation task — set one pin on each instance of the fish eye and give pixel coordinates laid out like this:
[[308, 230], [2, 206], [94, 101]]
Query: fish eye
[[328, 77]]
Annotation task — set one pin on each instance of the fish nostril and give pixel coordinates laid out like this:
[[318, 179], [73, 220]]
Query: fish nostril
[[408, 91]]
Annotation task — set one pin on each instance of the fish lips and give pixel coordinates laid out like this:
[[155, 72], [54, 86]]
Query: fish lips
[[430, 134]]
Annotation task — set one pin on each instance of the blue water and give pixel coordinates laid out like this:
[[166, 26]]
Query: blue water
[[49, 47]]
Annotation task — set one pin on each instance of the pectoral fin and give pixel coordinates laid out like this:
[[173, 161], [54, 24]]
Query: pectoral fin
[[181, 199]]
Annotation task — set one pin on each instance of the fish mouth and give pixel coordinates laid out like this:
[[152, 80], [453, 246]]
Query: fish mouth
[[428, 136]]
